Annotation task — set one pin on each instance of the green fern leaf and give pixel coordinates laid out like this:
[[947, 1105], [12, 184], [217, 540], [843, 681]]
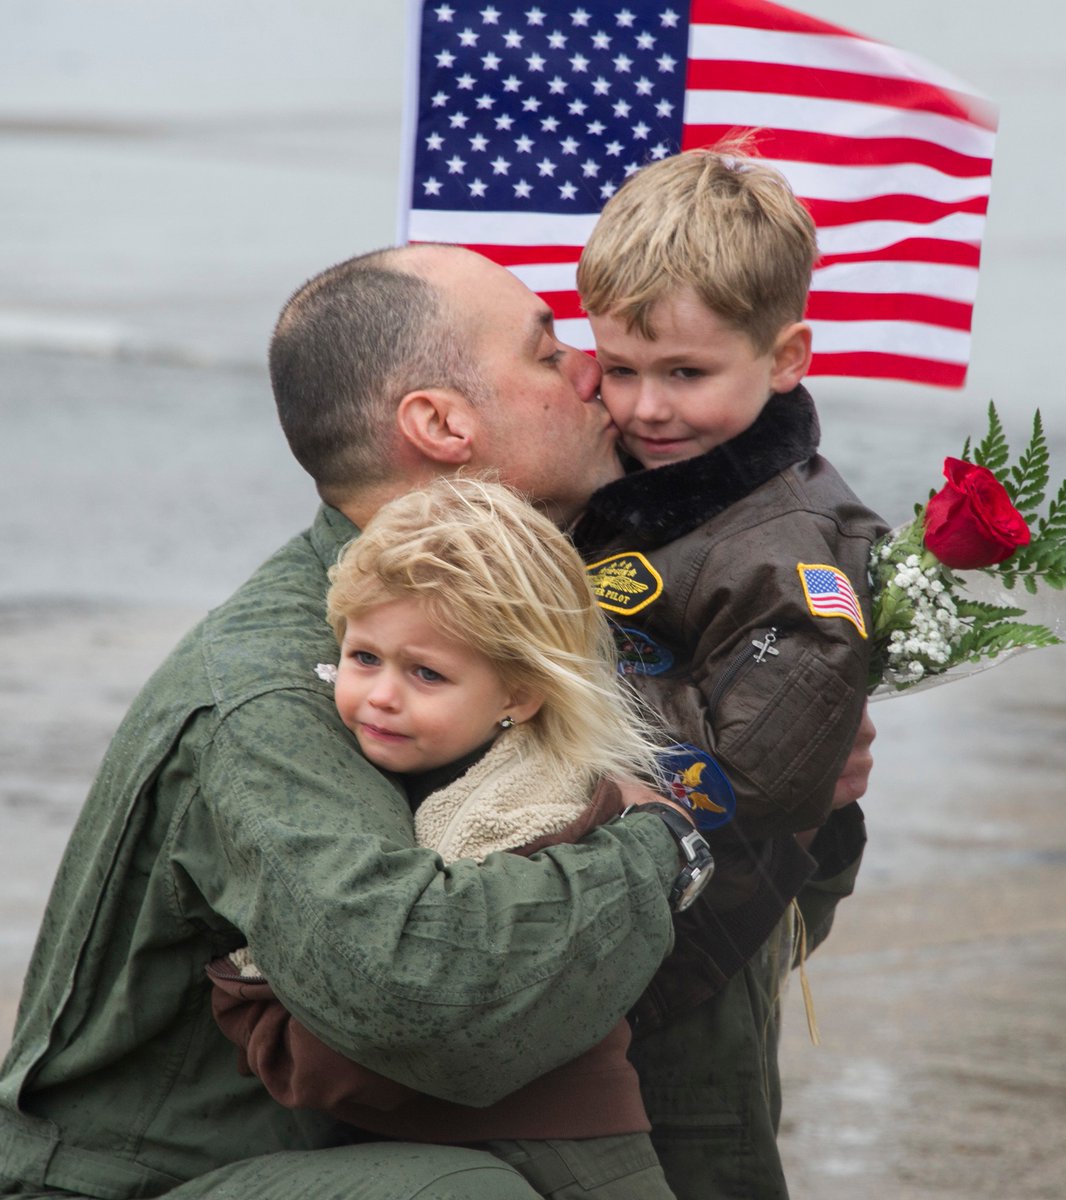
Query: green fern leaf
[[993, 451], [986, 612], [1030, 476]]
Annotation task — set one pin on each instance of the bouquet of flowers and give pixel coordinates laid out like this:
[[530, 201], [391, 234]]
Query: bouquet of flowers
[[948, 586]]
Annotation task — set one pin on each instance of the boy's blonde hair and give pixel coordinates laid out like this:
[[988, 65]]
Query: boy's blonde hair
[[496, 575], [726, 225]]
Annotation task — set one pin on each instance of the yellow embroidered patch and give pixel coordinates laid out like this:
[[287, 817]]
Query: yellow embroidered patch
[[625, 583], [830, 594]]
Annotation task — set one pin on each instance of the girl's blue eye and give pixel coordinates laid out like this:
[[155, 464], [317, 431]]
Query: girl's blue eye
[[364, 658], [428, 675]]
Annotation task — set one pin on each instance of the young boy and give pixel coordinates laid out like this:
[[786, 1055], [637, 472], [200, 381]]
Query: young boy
[[736, 559]]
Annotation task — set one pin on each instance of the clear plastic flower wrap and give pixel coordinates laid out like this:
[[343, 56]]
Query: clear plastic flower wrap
[[977, 576]]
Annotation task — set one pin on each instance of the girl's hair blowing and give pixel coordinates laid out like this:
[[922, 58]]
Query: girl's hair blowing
[[493, 573]]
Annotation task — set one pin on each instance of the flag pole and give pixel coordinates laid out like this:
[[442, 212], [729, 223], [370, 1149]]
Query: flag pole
[[409, 128]]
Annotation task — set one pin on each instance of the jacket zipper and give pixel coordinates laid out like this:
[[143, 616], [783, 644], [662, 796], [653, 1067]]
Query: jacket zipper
[[741, 663]]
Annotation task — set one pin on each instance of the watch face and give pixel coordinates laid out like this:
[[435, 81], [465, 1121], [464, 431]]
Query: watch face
[[690, 883], [699, 862]]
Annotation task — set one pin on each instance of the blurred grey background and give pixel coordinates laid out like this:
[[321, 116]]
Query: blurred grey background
[[169, 173]]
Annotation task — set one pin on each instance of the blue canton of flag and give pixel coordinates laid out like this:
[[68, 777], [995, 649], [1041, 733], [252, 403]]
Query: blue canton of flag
[[534, 107], [830, 594]]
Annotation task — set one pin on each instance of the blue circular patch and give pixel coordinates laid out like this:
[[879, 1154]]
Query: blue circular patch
[[694, 779], [639, 654]]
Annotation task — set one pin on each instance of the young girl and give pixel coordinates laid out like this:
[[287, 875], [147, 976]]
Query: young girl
[[476, 663]]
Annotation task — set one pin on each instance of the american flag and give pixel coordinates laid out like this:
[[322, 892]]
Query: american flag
[[830, 594], [524, 118]]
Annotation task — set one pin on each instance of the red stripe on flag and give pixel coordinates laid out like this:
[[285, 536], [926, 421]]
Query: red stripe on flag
[[563, 304], [835, 306], [512, 256], [757, 14], [863, 364], [891, 306], [792, 145], [925, 250], [718, 75], [916, 209], [835, 605]]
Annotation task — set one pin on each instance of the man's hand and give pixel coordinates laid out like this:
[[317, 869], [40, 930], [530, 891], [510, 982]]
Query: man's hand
[[855, 777]]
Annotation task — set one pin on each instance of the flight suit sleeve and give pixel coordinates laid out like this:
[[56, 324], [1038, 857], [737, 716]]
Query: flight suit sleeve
[[463, 981]]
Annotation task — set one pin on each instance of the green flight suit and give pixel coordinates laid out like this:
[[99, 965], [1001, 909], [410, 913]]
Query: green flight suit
[[233, 808], [710, 1077]]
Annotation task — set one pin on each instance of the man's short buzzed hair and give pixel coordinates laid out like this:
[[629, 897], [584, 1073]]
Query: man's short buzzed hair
[[719, 222], [348, 346]]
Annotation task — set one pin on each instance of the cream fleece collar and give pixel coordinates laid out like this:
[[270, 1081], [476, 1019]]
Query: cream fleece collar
[[505, 800]]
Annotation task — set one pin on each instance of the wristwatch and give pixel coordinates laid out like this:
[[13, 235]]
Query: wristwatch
[[698, 860]]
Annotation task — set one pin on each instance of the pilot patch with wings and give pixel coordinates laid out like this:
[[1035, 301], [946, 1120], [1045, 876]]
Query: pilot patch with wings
[[625, 583]]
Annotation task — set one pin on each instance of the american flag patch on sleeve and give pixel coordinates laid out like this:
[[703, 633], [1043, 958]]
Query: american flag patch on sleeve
[[830, 594]]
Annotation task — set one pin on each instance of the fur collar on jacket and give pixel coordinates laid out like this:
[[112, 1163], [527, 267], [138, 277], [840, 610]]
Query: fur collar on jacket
[[656, 506], [505, 800]]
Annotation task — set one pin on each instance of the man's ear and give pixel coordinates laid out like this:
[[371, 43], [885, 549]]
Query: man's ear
[[436, 423], [792, 356]]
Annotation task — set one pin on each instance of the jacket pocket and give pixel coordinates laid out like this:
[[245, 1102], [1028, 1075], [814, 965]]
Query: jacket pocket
[[783, 733]]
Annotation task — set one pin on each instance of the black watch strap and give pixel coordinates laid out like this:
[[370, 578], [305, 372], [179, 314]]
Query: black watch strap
[[697, 861]]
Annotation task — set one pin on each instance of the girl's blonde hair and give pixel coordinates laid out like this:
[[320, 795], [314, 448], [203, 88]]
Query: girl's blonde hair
[[494, 574]]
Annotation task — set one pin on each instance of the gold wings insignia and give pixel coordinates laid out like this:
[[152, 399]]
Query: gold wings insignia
[[620, 578], [625, 583]]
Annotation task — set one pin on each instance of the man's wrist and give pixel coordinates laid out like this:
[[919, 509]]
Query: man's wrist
[[664, 802], [695, 859]]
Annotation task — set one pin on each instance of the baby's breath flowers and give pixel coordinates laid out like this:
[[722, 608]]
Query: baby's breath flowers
[[916, 623], [944, 601]]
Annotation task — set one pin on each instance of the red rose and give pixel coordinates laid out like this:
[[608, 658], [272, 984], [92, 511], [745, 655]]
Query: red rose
[[971, 522]]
